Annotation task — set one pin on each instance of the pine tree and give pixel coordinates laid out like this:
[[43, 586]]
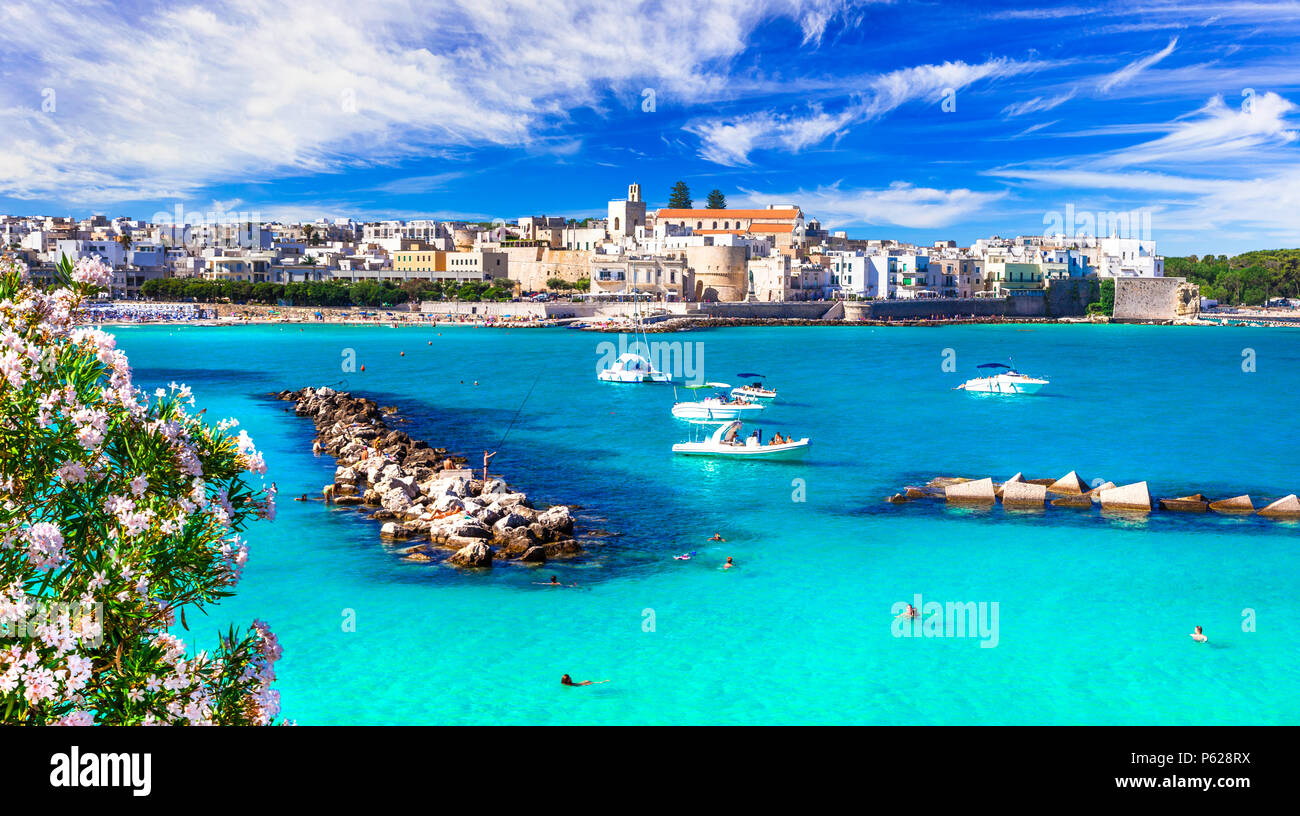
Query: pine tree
[[680, 197], [717, 201]]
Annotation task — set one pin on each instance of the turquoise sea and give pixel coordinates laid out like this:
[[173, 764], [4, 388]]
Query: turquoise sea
[[1094, 612]]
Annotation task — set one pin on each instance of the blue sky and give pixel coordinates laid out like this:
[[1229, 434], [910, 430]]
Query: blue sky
[[465, 109]]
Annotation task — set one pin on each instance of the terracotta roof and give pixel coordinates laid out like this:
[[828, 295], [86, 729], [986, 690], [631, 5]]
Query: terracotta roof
[[776, 214]]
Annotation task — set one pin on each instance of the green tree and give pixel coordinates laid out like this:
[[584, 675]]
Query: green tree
[[716, 201], [680, 197]]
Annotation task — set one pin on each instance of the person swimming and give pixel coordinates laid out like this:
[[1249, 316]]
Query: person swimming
[[729, 563], [910, 612], [566, 680], [555, 581], [685, 556], [1199, 636], [717, 537]]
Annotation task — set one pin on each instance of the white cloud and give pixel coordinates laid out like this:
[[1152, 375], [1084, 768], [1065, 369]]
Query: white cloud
[[1038, 104], [1126, 74], [900, 204], [1220, 169], [1216, 133], [169, 98], [730, 140]]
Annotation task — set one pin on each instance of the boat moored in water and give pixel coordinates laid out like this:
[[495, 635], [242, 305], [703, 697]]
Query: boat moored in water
[[755, 389], [716, 408], [632, 368], [1008, 381], [726, 442]]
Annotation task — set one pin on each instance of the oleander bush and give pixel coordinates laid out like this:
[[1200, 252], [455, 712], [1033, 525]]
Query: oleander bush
[[120, 512]]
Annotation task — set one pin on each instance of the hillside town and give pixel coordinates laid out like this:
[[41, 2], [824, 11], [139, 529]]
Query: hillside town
[[776, 253]]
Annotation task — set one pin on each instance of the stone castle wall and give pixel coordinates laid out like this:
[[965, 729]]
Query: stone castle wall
[[1143, 299]]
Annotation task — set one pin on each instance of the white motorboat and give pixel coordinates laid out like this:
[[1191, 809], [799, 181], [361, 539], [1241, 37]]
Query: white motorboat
[[726, 442], [1009, 381], [716, 408], [754, 390], [632, 368]]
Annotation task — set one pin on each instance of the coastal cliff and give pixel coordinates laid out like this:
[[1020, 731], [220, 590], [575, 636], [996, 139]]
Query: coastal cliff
[[421, 494]]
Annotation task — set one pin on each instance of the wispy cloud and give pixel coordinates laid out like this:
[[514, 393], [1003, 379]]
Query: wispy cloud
[[1038, 104], [731, 140], [900, 204], [1218, 168], [1126, 74], [97, 104], [1217, 133]]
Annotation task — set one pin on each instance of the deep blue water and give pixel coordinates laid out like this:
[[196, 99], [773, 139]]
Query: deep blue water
[[1093, 612]]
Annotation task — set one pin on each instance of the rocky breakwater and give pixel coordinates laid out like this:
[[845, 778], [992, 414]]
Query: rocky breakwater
[[422, 494]]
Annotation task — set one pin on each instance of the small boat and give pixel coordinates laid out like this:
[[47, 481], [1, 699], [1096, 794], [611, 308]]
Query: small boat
[[632, 368], [1009, 381], [753, 390], [726, 442], [716, 408]]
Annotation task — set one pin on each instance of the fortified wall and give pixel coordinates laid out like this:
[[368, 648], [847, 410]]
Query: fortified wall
[[531, 267], [1147, 299], [805, 309], [1063, 298]]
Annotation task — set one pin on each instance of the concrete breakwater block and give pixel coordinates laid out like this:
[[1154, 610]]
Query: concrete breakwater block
[[976, 491], [1069, 483], [1023, 494], [1095, 493], [1019, 478], [1237, 504], [1285, 507], [941, 482], [1127, 497], [1195, 503], [1080, 502]]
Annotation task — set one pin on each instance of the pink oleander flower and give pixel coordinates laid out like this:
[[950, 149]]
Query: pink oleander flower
[[77, 718], [93, 271], [45, 544], [71, 473], [149, 479]]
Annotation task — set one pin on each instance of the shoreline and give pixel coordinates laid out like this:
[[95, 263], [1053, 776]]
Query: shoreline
[[228, 315]]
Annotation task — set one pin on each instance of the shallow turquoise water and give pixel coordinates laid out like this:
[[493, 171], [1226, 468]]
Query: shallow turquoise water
[[1093, 612]]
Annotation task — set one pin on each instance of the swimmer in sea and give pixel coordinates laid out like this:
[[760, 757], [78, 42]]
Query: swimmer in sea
[[717, 537], [555, 581], [685, 556], [1199, 636], [729, 563], [910, 613], [566, 680]]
